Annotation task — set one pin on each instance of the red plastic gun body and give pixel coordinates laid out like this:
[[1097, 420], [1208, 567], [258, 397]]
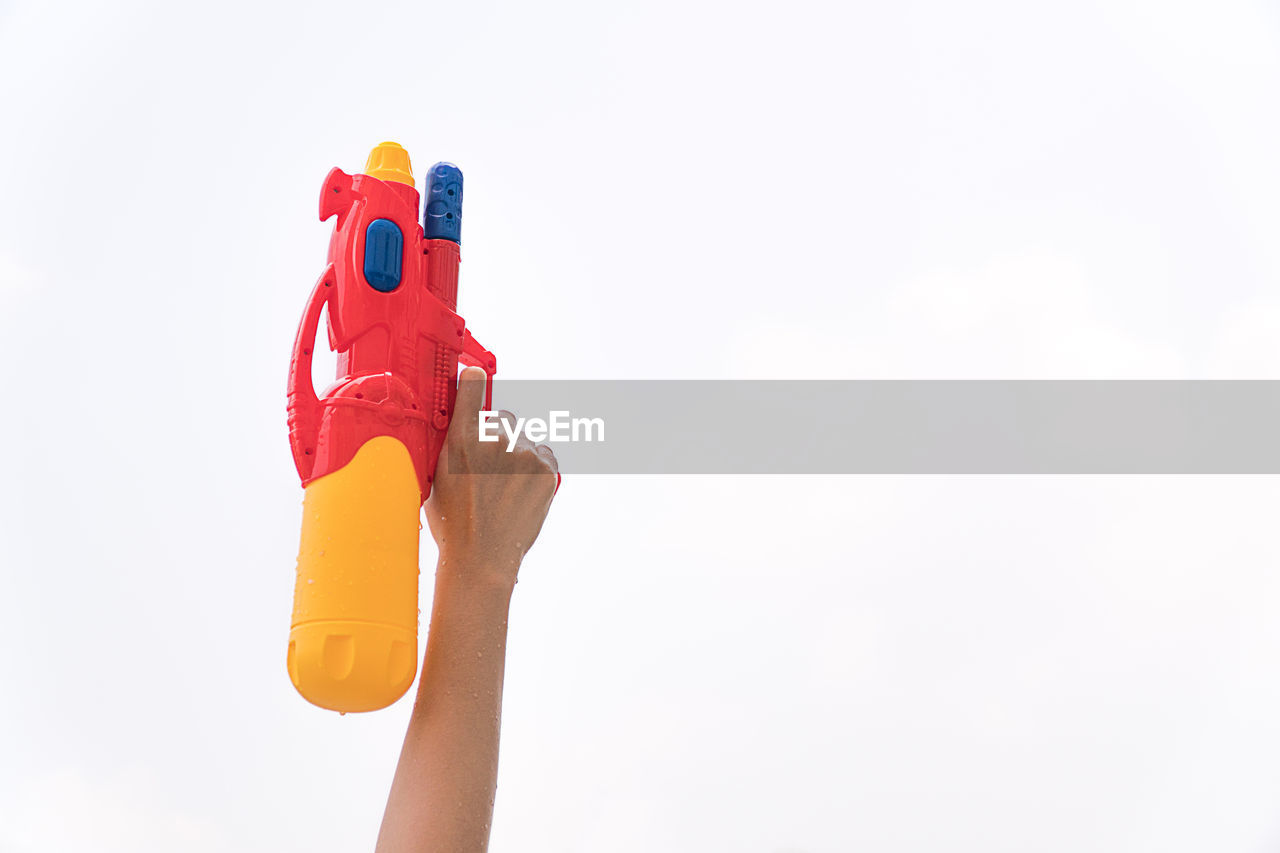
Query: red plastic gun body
[[399, 345]]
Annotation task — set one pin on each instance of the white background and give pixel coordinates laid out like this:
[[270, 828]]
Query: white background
[[891, 190]]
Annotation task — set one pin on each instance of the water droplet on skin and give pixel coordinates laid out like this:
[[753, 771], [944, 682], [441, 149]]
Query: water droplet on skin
[[311, 580], [342, 713]]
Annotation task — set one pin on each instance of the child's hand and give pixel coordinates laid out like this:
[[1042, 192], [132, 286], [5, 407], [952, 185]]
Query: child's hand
[[487, 505], [485, 510]]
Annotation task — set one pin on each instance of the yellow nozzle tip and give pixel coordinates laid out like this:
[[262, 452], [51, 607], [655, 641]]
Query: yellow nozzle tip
[[389, 162]]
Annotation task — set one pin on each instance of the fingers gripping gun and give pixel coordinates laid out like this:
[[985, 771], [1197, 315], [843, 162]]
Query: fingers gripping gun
[[366, 449]]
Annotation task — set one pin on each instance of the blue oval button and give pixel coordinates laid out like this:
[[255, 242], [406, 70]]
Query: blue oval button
[[383, 248]]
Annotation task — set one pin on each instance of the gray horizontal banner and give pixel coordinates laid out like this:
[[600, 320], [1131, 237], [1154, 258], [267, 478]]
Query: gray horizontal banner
[[900, 427]]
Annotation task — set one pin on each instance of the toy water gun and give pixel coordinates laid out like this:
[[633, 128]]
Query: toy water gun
[[366, 449]]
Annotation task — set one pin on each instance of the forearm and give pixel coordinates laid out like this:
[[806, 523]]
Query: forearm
[[442, 795], [486, 507]]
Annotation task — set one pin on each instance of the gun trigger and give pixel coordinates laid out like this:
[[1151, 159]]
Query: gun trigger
[[474, 355]]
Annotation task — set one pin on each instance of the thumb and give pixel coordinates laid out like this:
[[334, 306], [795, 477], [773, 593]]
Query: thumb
[[466, 408]]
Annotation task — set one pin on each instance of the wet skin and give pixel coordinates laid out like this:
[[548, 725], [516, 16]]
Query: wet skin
[[486, 509]]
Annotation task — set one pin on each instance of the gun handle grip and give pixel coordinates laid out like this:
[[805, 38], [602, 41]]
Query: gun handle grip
[[303, 404]]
